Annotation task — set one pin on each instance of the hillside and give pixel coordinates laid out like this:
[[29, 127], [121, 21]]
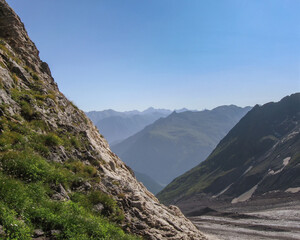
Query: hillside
[[173, 145], [58, 177], [117, 126], [259, 156]]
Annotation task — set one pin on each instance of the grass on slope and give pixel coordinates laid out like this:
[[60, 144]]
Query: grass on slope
[[28, 180]]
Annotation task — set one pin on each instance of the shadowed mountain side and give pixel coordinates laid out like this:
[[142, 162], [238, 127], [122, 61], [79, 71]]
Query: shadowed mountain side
[[117, 126], [172, 145], [149, 182], [260, 155]]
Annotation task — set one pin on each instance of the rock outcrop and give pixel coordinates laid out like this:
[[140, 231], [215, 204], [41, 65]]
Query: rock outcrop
[[28, 93]]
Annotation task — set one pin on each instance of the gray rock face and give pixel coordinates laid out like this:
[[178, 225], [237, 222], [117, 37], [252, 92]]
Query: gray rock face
[[2, 233], [61, 194], [38, 233], [99, 207], [144, 215]]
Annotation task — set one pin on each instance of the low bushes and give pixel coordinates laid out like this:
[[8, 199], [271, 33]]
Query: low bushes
[[32, 203], [28, 181]]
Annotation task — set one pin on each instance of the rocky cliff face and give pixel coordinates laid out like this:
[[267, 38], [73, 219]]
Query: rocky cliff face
[[259, 157], [36, 117]]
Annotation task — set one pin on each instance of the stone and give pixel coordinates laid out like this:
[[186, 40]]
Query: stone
[[55, 232], [2, 232], [99, 207], [61, 194], [38, 233]]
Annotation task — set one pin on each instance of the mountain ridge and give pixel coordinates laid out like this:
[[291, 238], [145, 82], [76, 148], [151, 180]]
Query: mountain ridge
[[172, 145], [117, 126], [257, 156]]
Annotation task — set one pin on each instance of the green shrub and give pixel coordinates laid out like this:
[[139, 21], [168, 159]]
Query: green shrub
[[52, 95], [42, 149], [10, 140], [32, 168], [27, 111], [75, 143], [38, 125], [27, 69], [51, 140], [81, 169], [17, 127], [15, 78], [111, 208], [12, 194], [14, 228], [25, 165], [35, 76]]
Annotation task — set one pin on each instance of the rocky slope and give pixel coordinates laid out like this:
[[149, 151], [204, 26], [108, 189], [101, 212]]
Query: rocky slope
[[173, 145], [52, 150], [260, 156]]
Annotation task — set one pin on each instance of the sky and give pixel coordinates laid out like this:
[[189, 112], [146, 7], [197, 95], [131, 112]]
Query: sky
[[198, 54]]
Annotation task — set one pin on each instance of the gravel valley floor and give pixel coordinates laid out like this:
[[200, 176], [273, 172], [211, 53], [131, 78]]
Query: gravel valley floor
[[279, 221]]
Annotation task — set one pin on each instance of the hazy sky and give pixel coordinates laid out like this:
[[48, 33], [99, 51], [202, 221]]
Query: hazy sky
[[133, 54]]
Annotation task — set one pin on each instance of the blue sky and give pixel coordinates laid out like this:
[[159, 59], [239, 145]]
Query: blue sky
[[171, 54]]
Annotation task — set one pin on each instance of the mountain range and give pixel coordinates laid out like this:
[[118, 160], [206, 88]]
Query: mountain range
[[259, 157], [172, 145], [59, 178], [117, 126]]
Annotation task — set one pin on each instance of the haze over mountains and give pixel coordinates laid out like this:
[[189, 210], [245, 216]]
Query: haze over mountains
[[59, 178], [260, 156], [117, 126], [172, 145]]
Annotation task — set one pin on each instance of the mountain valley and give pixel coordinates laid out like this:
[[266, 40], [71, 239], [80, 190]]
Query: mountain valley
[[229, 173], [250, 184], [172, 145]]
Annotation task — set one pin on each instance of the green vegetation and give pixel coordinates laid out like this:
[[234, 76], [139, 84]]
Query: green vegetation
[[27, 111], [32, 208], [110, 207], [35, 76], [82, 170], [29, 97], [6, 51], [28, 180], [15, 78]]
